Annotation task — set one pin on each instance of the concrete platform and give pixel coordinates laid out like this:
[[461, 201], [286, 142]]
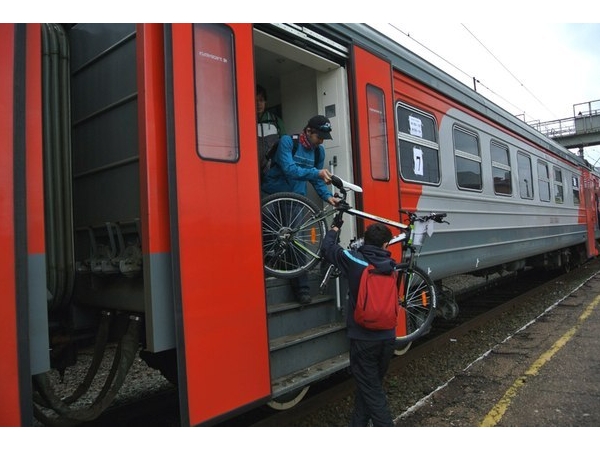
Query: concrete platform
[[546, 375]]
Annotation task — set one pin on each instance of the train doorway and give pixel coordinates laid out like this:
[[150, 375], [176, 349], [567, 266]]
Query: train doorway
[[303, 82]]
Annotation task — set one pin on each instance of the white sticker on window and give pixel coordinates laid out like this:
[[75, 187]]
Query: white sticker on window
[[418, 161], [416, 126]]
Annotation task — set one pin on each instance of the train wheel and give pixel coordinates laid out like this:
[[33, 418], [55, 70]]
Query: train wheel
[[402, 349], [289, 400]]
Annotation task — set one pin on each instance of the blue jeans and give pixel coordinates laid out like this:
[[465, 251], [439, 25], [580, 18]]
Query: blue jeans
[[369, 361]]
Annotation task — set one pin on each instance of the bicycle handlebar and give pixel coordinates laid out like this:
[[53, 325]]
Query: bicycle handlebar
[[436, 217]]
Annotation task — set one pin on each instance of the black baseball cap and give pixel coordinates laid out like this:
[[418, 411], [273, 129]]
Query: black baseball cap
[[320, 125]]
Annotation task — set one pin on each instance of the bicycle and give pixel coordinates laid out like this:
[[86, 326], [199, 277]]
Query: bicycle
[[294, 228]]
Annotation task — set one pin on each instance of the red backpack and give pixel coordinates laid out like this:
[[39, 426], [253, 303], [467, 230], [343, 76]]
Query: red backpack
[[377, 301]]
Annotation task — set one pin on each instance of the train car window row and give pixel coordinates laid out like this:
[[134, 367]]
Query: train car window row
[[501, 168], [525, 176], [558, 186], [576, 190], [377, 126], [418, 145], [543, 181], [214, 73], [467, 159]]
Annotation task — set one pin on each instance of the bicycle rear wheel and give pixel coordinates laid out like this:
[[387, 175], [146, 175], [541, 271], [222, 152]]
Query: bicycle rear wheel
[[292, 234], [419, 301]]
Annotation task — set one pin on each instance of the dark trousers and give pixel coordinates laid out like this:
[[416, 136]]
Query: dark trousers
[[369, 361], [300, 285]]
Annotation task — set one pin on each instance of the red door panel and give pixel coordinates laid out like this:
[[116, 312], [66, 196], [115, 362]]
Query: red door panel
[[10, 412], [376, 141], [375, 130], [222, 329]]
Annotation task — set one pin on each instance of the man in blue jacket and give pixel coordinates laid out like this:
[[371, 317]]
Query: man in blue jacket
[[291, 170], [370, 350]]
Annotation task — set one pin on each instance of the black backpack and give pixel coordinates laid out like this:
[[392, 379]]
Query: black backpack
[[267, 157]]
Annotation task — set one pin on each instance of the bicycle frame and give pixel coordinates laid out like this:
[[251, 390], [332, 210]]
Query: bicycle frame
[[292, 249], [347, 209], [294, 228]]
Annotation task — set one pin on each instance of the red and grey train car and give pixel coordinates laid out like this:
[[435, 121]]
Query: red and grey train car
[[130, 197]]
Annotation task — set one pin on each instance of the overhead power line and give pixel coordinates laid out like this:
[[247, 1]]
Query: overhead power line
[[506, 68], [474, 77], [428, 49], [454, 66]]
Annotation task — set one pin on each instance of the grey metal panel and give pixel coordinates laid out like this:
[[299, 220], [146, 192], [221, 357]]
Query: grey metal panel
[[103, 68], [104, 117], [91, 39], [107, 140], [160, 312], [454, 252], [107, 196], [110, 291], [39, 345]]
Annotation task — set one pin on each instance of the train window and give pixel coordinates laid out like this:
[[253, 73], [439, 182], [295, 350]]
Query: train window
[[501, 170], [558, 186], [215, 94], [418, 145], [525, 176], [467, 159], [543, 181], [378, 148], [575, 186]]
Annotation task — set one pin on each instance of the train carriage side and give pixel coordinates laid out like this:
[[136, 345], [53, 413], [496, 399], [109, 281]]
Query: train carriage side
[[163, 196], [511, 202], [514, 197]]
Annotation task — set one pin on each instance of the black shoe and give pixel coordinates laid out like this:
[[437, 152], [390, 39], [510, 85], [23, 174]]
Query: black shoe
[[304, 299]]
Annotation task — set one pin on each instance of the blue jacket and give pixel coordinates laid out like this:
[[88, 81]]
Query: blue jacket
[[289, 173], [352, 263]]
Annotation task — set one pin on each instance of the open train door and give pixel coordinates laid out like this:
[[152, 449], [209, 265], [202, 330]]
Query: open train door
[[375, 133], [376, 140], [221, 320], [14, 371], [23, 309]]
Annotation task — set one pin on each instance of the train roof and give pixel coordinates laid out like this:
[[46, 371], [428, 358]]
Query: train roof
[[418, 68]]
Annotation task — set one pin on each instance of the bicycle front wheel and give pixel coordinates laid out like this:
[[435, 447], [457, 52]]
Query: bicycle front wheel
[[418, 300], [292, 234]]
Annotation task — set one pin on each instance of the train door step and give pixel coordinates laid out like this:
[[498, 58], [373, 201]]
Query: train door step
[[312, 333]]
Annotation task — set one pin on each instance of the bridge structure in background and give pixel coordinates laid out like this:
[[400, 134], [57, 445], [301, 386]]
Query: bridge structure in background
[[581, 130]]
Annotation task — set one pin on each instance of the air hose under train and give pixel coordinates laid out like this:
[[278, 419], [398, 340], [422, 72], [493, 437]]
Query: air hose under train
[[122, 361]]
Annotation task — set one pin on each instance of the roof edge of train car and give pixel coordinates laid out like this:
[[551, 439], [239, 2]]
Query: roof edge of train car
[[415, 66]]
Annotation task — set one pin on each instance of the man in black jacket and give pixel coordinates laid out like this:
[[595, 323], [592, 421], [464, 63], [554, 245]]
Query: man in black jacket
[[370, 350]]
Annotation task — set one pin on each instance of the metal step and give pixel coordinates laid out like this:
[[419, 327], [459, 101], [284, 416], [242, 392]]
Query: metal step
[[286, 306], [317, 372], [313, 333]]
